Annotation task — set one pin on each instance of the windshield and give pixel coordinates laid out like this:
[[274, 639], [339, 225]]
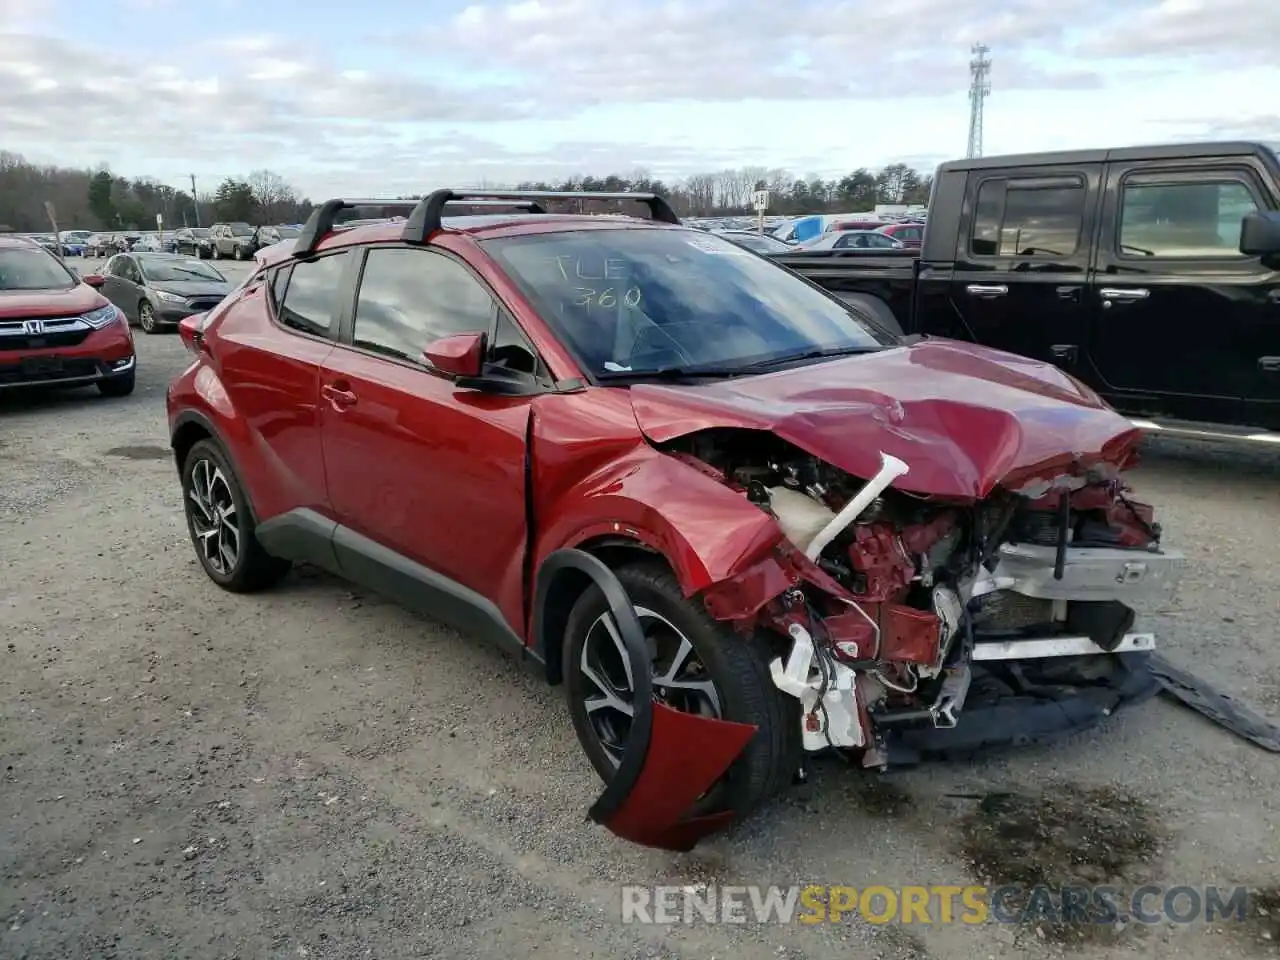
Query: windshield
[[636, 300], [287, 233], [159, 270], [26, 268], [241, 230], [759, 242]]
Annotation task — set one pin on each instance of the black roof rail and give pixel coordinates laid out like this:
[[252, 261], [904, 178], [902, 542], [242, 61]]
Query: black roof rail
[[324, 218], [427, 215]]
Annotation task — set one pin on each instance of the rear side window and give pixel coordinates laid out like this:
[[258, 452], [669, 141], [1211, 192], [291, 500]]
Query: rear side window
[[1186, 220], [1028, 217], [311, 296]]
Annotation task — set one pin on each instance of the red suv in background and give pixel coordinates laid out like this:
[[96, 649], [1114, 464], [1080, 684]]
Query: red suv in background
[[737, 519], [56, 330], [908, 234]]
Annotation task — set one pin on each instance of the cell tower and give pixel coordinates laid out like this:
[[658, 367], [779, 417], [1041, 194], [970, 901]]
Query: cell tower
[[979, 89]]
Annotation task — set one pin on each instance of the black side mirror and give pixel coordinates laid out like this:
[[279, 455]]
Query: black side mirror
[[1260, 234]]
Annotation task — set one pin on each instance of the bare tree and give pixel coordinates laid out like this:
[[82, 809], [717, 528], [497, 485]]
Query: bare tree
[[272, 193]]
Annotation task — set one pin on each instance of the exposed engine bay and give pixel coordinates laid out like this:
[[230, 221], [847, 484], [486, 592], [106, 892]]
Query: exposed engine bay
[[897, 607]]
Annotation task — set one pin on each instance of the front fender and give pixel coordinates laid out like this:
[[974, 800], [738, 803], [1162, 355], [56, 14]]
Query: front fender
[[705, 530], [671, 758]]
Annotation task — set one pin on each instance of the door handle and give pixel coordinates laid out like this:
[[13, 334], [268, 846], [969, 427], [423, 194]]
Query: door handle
[[1124, 293], [987, 289], [338, 398], [1269, 364], [1070, 294], [1065, 351]]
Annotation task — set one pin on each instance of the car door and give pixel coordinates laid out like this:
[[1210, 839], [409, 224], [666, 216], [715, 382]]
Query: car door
[[272, 339], [124, 285], [1184, 321], [430, 470], [1022, 265]]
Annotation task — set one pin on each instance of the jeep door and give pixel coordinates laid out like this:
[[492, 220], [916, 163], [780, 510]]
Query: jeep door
[[1022, 262], [1183, 319]]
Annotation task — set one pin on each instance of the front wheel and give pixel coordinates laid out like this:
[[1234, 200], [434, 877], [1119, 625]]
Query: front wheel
[[699, 665], [147, 317], [221, 525], [118, 386], [215, 253]]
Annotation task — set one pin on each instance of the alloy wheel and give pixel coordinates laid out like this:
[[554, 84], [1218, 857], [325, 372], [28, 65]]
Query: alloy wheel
[[215, 521], [680, 679], [147, 318]]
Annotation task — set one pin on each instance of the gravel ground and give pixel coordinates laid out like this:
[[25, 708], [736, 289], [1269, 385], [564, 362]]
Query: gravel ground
[[313, 772]]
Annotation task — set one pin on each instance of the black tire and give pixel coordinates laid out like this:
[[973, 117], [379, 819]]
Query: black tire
[[215, 253], [737, 665], [254, 569], [120, 386], [147, 317], [238, 252]]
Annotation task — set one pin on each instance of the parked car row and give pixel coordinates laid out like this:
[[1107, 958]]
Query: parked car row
[[229, 241]]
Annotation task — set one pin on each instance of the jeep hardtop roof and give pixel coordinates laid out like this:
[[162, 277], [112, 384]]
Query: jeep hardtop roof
[[1173, 151]]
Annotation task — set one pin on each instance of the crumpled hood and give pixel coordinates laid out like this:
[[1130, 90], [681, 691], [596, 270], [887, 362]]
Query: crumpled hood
[[964, 418]]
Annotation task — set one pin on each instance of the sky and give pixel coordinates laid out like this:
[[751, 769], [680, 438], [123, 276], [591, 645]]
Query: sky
[[388, 97]]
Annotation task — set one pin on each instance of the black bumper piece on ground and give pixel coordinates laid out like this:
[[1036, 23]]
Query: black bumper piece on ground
[[1028, 703]]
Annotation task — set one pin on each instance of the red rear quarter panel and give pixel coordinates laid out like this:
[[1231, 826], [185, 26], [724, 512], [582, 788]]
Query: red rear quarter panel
[[258, 388]]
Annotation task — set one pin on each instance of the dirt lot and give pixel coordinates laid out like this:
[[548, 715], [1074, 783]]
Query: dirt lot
[[314, 773]]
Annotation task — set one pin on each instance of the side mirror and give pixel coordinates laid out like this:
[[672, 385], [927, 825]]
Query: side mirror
[[1260, 234], [461, 355], [94, 279]]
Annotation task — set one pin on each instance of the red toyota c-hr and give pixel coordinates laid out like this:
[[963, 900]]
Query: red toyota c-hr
[[56, 329], [740, 521]]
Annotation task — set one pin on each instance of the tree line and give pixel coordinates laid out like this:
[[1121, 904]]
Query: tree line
[[729, 192], [100, 199]]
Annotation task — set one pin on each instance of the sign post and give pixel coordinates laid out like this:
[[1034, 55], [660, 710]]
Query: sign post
[[761, 200], [53, 222], [160, 230]]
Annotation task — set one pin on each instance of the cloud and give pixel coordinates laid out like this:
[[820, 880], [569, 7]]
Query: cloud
[[579, 52], [1239, 33], [257, 95], [508, 90]]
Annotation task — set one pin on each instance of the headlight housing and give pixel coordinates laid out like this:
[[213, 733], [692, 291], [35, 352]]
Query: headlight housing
[[168, 297], [101, 317]]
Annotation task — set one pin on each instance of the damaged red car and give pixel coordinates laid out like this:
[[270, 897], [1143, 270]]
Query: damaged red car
[[741, 523]]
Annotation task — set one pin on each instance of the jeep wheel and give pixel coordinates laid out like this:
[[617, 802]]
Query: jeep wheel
[[221, 525], [699, 666]]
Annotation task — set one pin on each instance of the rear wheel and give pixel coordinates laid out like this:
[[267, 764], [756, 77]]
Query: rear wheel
[[221, 525], [698, 665]]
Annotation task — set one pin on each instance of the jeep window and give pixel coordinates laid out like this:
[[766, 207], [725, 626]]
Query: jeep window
[[240, 230], [1183, 220], [32, 268], [409, 298], [1028, 217], [626, 301], [313, 290]]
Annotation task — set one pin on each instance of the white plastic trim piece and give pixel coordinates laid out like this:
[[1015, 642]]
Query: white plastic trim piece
[[890, 469]]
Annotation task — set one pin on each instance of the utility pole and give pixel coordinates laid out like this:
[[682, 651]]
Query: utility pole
[[195, 200], [979, 89]]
